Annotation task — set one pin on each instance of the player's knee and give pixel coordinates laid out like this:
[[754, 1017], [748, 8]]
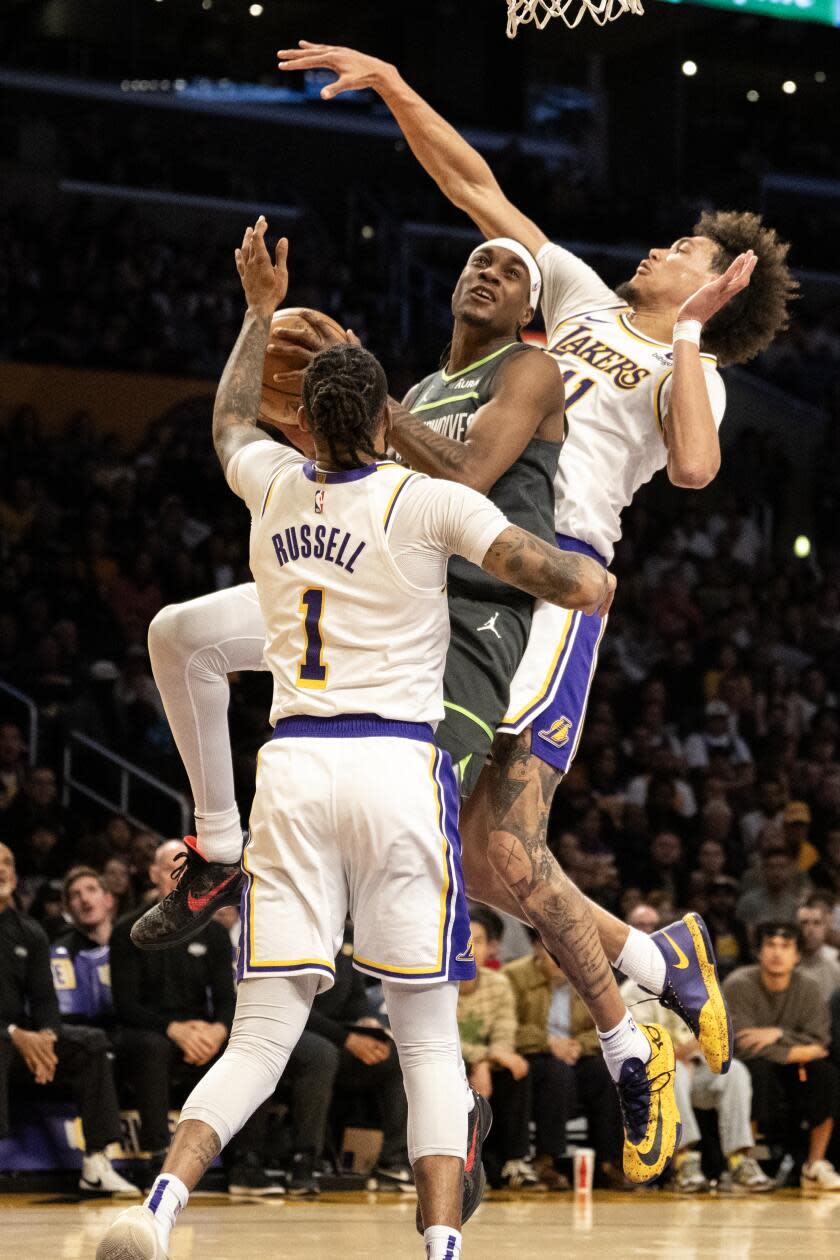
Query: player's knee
[[169, 631]]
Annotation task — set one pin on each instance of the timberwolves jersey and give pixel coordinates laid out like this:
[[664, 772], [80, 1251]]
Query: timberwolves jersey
[[346, 630], [525, 493]]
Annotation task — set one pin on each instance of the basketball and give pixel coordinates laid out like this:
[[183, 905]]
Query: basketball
[[280, 400]]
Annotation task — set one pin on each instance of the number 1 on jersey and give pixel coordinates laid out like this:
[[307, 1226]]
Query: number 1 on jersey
[[312, 672]]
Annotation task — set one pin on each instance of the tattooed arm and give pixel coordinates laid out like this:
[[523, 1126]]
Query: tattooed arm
[[237, 405], [560, 577]]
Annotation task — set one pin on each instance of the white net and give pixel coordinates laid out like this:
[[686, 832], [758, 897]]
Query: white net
[[521, 12]]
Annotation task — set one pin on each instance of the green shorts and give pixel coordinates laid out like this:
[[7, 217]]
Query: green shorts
[[486, 644]]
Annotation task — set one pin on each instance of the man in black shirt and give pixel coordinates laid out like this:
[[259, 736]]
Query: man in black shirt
[[35, 1047], [174, 1007]]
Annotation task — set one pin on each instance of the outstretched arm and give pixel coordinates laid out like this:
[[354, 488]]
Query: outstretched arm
[[237, 406], [459, 171], [560, 577]]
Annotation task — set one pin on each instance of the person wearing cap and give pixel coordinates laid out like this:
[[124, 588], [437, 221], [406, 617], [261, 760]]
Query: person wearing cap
[[718, 739], [796, 821], [782, 1033]]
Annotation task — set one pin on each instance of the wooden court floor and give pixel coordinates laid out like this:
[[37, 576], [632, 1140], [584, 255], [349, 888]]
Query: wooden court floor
[[657, 1226]]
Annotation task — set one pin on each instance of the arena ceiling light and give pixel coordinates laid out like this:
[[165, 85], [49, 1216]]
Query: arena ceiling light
[[788, 87], [256, 10], [689, 69], [752, 96]]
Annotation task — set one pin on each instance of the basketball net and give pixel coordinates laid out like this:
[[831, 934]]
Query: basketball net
[[521, 12]]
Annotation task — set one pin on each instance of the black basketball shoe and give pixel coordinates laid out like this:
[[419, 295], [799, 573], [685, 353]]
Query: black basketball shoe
[[202, 888], [480, 1122]]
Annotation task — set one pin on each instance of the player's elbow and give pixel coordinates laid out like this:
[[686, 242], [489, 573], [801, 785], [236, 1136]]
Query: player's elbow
[[693, 474]]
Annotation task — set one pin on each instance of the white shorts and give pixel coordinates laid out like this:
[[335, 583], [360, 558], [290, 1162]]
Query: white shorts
[[359, 816]]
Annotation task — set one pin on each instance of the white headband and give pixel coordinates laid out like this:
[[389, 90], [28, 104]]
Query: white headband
[[507, 242]]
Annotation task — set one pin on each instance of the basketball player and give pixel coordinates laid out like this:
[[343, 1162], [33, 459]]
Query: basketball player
[[349, 553], [491, 398], [642, 393]]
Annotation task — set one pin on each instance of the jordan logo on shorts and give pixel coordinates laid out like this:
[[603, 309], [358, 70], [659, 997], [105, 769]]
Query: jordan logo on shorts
[[490, 625], [558, 733]]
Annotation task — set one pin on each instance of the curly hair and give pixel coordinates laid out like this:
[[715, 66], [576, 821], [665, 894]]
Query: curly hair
[[344, 391], [750, 321]]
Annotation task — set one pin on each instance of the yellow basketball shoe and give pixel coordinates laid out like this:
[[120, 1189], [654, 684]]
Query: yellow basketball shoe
[[652, 1127], [692, 988]]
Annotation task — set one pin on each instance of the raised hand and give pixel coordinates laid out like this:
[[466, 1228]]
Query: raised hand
[[707, 301], [265, 282], [355, 70]]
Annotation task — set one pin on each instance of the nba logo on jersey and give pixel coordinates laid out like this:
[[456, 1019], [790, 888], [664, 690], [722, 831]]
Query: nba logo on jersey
[[319, 501], [558, 732]]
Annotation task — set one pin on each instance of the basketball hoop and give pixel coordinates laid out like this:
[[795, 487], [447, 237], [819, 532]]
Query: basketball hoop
[[521, 12]]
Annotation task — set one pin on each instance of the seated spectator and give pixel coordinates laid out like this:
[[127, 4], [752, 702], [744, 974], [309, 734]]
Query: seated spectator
[[47, 908], [344, 1043], [174, 1008], [36, 1047], [568, 1075], [796, 825], [729, 936], [665, 869], [12, 763], [487, 1024], [118, 880], [776, 896], [494, 930], [80, 956], [717, 741], [36, 805], [826, 873], [769, 806], [698, 1089], [782, 1034], [819, 959]]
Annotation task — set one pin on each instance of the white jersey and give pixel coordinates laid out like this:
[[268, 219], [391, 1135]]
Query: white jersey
[[618, 389], [350, 569]]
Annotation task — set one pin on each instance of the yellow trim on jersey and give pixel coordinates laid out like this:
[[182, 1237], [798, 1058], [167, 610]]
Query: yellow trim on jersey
[[397, 489], [273, 962], [657, 401], [270, 491], [510, 721], [478, 363], [422, 971], [651, 341]]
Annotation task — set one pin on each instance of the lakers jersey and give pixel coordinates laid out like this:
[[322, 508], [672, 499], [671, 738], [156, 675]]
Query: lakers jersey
[[618, 388], [346, 630]]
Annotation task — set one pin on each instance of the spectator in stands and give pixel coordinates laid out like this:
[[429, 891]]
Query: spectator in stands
[[118, 880], [36, 805], [776, 897], [796, 824], [718, 741], [826, 873], [80, 955], [665, 870], [494, 930], [568, 1075], [782, 1034], [35, 1046], [487, 1023], [12, 763], [363, 1062], [174, 1008], [819, 959], [698, 1089], [729, 936], [768, 809]]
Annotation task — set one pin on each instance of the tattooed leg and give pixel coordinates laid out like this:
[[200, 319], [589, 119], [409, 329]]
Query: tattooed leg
[[482, 882], [194, 1147], [519, 799]]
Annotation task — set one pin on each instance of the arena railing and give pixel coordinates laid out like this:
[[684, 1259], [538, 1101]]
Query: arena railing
[[28, 704], [87, 762]]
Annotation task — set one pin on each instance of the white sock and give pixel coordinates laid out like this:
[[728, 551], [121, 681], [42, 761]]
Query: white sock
[[442, 1243], [219, 835], [641, 961], [625, 1041], [167, 1198]]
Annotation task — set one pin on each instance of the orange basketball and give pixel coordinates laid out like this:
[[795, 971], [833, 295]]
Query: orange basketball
[[280, 401]]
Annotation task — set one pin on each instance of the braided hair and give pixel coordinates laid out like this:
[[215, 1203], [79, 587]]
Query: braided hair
[[344, 391]]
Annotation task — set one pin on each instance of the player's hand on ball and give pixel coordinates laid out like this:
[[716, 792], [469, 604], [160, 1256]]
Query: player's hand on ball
[[707, 301], [311, 336], [265, 282], [355, 70]]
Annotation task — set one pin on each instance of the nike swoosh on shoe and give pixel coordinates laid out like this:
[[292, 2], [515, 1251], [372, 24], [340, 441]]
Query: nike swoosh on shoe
[[195, 904]]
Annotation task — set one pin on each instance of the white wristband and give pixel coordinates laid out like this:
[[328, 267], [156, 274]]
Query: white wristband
[[688, 330]]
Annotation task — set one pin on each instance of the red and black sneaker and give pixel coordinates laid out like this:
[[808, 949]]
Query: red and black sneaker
[[202, 888], [480, 1122]]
